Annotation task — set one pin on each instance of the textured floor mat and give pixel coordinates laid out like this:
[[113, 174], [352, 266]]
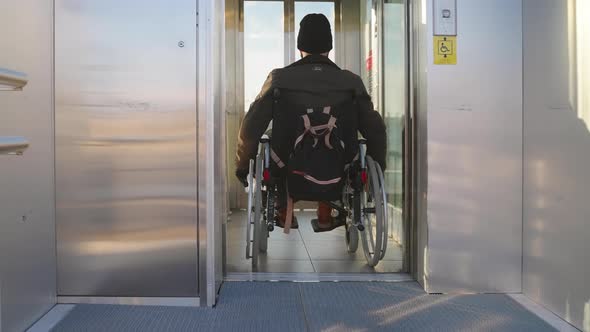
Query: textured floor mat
[[266, 306], [405, 307]]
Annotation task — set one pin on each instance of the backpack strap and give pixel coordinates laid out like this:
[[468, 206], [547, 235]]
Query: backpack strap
[[289, 217], [331, 126], [275, 157], [307, 125], [317, 130]]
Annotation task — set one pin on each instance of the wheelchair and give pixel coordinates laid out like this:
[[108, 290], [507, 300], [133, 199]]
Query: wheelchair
[[363, 205]]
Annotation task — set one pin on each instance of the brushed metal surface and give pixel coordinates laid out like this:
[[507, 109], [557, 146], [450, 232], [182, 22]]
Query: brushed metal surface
[[141, 301], [556, 159], [126, 148], [348, 37], [52, 318], [318, 277], [474, 144], [212, 173], [27, 224], [234, 69], [540, 311], [419, 39]]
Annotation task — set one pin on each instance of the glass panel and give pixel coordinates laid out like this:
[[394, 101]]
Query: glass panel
[[383, 49], [370, 51], [327, 8], [394, 109], [263, 44], [583, 59]]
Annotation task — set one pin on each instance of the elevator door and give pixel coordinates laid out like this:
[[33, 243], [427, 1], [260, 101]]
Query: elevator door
[[126, 148]]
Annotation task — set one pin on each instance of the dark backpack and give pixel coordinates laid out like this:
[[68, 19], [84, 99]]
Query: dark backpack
[[310, 146], [316, 164]]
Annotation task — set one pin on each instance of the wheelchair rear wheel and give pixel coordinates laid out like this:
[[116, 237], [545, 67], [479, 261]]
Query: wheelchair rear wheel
[[261, 196], [374, 215], [266, 199], [258, 236], [385, 210], [250, 222]]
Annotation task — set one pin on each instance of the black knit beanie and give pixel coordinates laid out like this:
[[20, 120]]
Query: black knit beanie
[[315, 35]]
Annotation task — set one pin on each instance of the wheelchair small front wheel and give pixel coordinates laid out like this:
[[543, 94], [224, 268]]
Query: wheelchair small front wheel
[[265, 220], [264, 223], [352, 232], [352, 238]]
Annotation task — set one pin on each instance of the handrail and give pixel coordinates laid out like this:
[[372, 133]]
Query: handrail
[[13, 145], [11, 80]]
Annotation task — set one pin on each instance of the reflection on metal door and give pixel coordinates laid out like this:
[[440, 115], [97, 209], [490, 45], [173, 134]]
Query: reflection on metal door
[[126, 148]]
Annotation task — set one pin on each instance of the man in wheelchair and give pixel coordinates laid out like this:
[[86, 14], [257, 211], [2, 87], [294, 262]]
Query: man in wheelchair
[[317, 111]]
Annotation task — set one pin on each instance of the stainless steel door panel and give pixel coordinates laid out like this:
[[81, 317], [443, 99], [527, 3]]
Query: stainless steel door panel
[[126, 147]]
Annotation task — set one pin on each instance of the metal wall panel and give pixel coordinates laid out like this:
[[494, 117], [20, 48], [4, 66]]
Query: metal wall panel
[[474, 153], [234, 68], [126, 167], [27, 224], [213, 206], [348, 54], [419, 37], [557, 162]]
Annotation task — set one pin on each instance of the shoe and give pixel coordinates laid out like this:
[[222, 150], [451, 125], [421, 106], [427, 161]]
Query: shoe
[[334, 223], [325, 215]]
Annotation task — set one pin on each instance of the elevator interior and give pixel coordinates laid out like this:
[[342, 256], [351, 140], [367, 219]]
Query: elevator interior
[[371, 40]]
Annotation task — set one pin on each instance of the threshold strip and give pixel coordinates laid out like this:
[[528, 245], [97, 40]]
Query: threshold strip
[[318, 277]]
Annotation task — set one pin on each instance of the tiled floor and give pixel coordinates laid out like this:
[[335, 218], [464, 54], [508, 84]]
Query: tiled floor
[[304, 250]]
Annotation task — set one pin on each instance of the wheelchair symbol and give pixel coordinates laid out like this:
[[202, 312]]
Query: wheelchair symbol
[[445, 48]]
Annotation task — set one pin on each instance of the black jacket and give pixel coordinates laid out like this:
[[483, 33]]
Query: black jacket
[[314, 81]]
